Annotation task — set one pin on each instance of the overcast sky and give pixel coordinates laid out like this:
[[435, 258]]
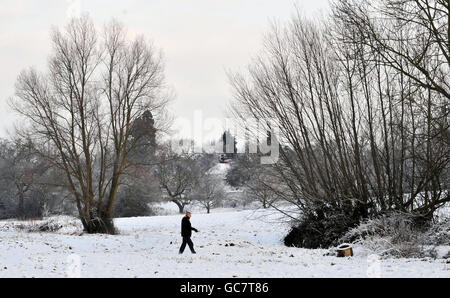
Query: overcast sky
[[200, 39]]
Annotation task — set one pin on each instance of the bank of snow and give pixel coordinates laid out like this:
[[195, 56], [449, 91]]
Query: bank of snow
[[229, 244]]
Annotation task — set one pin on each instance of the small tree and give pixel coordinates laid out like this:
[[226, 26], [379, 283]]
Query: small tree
[[23, 176], [240, 170], [209, 192], [176, 173], [259, 189]]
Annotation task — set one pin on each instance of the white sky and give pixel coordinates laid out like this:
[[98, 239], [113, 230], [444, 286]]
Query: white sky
[[200, 39]]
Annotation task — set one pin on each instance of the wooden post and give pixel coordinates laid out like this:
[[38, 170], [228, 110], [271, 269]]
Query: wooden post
[[344, 250]]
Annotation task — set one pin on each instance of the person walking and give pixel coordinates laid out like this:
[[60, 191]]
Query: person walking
[[186, 232]]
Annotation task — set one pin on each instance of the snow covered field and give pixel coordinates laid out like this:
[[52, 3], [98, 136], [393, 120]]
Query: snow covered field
[[230, 244]]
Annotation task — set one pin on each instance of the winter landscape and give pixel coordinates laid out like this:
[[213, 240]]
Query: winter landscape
[[226, 139], [231, 243]]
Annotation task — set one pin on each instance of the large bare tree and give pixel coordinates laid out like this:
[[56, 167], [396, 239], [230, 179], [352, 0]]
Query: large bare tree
[[82, 110], [360, 134]]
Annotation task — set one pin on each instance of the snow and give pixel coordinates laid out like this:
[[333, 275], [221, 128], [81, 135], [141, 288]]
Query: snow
[[148, 247]]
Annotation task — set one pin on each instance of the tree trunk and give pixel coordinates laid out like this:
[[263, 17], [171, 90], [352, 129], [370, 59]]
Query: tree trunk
[[180, 206], [20, 206], [96, 219], [99, 222]]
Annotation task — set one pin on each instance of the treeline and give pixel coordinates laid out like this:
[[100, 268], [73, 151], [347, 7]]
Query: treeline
[[361, 102], [31, 187]]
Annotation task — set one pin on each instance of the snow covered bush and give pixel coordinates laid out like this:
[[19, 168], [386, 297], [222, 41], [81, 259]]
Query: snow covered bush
[[438, 233], [393, 234], [56, 224], [59, 224]]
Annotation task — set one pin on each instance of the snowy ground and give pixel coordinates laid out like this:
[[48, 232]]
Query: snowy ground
[[148, 247]]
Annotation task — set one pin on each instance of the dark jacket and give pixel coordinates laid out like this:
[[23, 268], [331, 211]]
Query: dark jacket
[[186, 228]]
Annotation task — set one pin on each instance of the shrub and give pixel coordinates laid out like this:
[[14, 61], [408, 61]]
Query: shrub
[[237, 176], [438, 233], [132, 206], [394, 234], [322, 228], [8, 208], [55, 224], [33, 206], [61, 224]]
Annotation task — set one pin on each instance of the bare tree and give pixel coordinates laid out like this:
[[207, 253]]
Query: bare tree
[[261, 185], [25, 174], [359, 135], [177, 175], [209, 191], [83, 108]]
